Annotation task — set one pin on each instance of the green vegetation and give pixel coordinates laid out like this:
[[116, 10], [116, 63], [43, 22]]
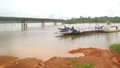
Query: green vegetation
[[94, 19], [77, 65], [115, 47], [87, 66]]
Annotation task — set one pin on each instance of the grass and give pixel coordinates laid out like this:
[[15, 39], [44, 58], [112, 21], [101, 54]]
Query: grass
[[115, 47], [77, 65], [87, 66]]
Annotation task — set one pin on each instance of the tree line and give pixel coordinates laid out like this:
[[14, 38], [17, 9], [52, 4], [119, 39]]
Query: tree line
[[103, 19]]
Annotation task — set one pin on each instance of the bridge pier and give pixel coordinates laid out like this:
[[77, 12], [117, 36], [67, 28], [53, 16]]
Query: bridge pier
[[23, 26], [62, 23], [55, 23], [42, 24]]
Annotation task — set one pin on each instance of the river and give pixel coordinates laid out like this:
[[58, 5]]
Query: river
[[44, 43]]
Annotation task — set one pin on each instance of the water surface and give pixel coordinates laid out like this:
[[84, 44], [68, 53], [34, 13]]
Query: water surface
[[43, 43]]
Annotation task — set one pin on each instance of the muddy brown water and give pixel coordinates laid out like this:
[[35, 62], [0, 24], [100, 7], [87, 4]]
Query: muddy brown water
[[44, 43]]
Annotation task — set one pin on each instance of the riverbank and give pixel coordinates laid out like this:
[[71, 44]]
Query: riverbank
[[99, 58]]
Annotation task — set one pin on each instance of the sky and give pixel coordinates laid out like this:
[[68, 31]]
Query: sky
[[63, 9]]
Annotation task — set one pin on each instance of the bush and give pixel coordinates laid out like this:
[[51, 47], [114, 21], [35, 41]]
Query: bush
[[76, 64], [87, 66], [115, 47]]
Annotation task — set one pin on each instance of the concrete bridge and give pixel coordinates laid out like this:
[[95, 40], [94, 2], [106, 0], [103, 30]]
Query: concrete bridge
[[25, 20]]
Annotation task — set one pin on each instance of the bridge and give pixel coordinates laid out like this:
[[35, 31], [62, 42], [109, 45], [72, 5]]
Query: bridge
[[25, 20], [30, 19]]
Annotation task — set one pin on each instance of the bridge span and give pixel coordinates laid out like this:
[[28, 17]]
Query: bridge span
[[25, 20], [21, 19]]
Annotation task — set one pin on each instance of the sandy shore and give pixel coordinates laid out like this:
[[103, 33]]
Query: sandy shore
[[100, 58]]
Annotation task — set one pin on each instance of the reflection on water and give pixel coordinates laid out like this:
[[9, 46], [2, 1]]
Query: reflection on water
[[44, 43], [101, 40]]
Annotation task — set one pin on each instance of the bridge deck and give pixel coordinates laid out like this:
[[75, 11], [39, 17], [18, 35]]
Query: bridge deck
[[30, 19]]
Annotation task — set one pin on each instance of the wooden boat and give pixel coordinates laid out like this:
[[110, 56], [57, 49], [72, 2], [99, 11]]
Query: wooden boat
[[68, 31]]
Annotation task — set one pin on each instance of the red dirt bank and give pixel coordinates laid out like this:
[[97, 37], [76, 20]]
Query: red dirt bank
[[101, 58]]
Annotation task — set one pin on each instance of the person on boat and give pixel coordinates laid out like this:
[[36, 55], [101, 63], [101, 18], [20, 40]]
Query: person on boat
[[74, 30]]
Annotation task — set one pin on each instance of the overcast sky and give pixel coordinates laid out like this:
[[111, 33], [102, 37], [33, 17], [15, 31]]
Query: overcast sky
[[59, 8]]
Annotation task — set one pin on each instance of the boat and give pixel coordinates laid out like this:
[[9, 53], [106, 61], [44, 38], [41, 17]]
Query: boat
[[69, 31], [109, 28]]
